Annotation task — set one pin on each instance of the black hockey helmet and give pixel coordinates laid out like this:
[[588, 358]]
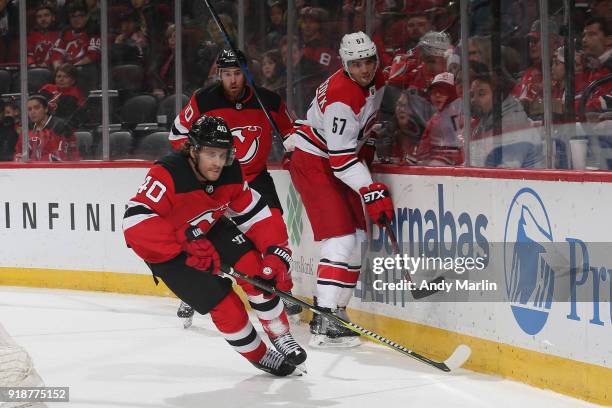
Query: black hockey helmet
[[212, 131], [230, 59]]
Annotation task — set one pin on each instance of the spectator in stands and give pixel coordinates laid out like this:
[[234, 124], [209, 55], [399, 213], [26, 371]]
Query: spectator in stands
[[161, 73], [441, 143], [93, 12], [210, 49], [529, 89], [315, 47], [77, 44], [397, 141], [273, 71], [130, 45], [354, 11], [149, 20], [417, 73], [9, 31], [63, 97], [390, 40], [602, 9], [416, 26], [558, 76], [519, 145], [42, 38], [479, 50], [277, 26], [307, 75], [597, 47], [49, 137], [8, 132]]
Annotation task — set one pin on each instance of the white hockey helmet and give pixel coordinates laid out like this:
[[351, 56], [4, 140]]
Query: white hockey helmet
[[434, 43], [356, 46]]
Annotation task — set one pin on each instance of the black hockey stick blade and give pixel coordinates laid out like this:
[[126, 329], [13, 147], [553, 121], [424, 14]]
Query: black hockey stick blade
[[458, 357], [416, 293]]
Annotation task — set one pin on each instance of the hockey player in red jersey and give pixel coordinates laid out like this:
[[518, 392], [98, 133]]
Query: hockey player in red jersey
[[331, 179], [194, 211], [233, 100]]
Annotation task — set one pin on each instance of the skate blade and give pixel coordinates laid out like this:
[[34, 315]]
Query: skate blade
[[187, 322], [322, 341], [300, 370]]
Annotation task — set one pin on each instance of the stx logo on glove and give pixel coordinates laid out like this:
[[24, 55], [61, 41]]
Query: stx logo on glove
[[374, 195]]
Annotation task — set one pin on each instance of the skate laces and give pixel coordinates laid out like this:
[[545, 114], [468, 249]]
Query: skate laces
[[286, 343], [272, 359]]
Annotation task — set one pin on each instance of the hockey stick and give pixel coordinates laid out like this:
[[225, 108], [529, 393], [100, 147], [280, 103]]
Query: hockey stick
[[459, 356], [245, 70], [416, 293]]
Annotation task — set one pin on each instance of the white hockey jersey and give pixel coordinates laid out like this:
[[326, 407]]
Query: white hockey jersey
[[338, 122]]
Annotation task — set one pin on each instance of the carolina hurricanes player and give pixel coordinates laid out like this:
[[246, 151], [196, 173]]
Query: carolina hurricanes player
[[331, 179], [177, 223], [233, 100]]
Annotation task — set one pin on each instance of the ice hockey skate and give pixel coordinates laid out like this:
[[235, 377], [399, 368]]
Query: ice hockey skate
[[277, 364], [329, 334], [185, 313], [287, 345]]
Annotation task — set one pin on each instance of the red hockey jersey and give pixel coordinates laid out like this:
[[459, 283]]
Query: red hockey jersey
[[251, 130], [172, 198], [73, 46], [39, 47]]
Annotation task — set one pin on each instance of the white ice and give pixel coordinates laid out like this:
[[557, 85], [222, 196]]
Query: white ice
[[131, 351]]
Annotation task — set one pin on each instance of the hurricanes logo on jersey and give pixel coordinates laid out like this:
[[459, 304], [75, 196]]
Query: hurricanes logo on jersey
[[248, 139]]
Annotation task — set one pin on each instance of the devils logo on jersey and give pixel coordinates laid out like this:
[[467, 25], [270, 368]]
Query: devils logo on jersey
[[208, 216], [247, 142], [41, 51]]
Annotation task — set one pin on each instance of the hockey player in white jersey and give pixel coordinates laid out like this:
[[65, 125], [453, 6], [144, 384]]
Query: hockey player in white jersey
[[327, 172]]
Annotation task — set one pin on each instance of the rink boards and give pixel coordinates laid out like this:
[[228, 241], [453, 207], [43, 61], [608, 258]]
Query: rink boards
[[61, 227]]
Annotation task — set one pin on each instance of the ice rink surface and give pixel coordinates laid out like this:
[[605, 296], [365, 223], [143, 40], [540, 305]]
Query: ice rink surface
[[132, 352]]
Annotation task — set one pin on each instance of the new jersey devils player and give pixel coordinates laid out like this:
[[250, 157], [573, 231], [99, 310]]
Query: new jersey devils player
[[177, 223], [331, 179], [233, 100]]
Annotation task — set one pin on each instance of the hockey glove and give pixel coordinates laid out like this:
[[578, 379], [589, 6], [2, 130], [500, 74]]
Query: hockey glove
[[201, 254], [275, 265], [378, 202], [367, 152]]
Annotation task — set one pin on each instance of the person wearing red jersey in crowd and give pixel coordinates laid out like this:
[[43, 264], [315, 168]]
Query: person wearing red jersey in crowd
[[331, 179], [50, 139], [76, 44], [529, 89], [64, 96], [558, 73], [597, 47], [42, 38], [408, 72], [233, 100], [195, 211], [441, 143], [314, 45]]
